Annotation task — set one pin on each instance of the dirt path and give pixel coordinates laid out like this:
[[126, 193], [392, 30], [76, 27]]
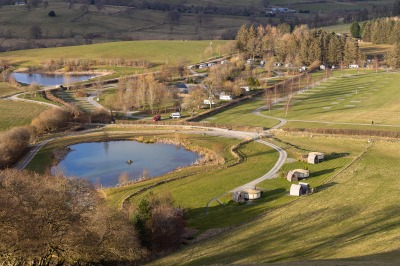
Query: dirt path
[[16, 98]]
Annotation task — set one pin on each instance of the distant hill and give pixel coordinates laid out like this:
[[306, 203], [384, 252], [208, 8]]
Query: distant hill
[[32, 26]]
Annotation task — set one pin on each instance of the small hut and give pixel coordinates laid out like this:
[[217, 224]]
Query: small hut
[[315, 157], [238, 196], [247, 194], [295, 190], [300, 189], [252, 194], [295, 175]]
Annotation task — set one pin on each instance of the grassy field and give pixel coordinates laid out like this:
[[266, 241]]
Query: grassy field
[[350, 98], [156, 52], [7, 89], [353, 215], [370, 50], [242, 115], [18, 113], [123, 23]]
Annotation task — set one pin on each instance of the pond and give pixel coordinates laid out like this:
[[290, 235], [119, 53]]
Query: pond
[[47, 79], [102, 163]]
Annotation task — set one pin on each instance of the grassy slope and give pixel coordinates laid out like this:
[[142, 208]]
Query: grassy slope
[[158, 52], [241, 115], [354, 99], [18, 113], [354, 215], [113, 22], [6, 89]]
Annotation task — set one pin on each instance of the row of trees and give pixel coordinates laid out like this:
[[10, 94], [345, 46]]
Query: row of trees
[[142, 93], [301, 47], [381, 31]]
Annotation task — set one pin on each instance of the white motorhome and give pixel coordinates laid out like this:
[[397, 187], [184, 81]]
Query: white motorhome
[[175, 115]]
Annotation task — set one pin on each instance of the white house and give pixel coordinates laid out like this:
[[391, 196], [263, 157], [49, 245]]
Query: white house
[[354, 66], [246, 88]]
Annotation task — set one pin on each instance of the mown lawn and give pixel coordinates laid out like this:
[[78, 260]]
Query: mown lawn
[[155, 52], [7, 89], [18, 113], [350, 98], [242, 115], [353, 215]]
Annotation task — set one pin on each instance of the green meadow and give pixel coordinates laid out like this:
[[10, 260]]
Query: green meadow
[[18, 113], [242, 115], [354, 214], [6, 89], [155, 52], [351, 98]]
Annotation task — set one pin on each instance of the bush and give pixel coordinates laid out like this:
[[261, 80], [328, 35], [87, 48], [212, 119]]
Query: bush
[[101, 116], [51, 120], [52, 13], [13, 144]]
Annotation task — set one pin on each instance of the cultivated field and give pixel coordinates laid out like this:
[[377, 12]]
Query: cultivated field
[[18, 113], [354, 214]]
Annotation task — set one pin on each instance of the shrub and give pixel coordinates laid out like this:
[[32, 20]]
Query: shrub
[[13, 144], [51, 120], [101, 116]]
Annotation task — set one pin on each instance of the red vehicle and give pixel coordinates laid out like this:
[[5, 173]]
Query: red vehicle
[[157, 118]]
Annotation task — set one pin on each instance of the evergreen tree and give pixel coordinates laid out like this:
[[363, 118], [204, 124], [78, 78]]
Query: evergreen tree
[[355, 30], [392, 57], [241, 38], [140, 220]]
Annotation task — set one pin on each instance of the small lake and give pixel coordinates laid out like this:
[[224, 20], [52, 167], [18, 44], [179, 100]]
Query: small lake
[[103, 162], [47, 79]]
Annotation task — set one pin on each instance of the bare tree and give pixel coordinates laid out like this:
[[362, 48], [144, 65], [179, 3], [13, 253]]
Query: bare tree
[[51, 220]]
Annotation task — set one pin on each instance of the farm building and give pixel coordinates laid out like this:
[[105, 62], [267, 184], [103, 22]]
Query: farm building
[[247, 194], [300, 189], [315, 157], [295, 175]]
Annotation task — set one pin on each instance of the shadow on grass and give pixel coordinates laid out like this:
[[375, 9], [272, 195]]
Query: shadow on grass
[[233, 213]]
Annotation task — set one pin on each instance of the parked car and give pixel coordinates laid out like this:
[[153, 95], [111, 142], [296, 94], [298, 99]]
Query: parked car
[[157, 118], [175, 115]]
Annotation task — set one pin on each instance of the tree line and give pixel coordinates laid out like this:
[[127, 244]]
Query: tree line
[[381, 31], [302, 46]]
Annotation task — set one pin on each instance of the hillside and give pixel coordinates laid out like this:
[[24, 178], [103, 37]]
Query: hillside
[[75, 24], [354, 215]]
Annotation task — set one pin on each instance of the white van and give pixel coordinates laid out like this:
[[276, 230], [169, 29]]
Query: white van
[[175, 115]]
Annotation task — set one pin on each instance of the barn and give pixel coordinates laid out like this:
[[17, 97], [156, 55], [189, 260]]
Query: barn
[[315, 157]]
